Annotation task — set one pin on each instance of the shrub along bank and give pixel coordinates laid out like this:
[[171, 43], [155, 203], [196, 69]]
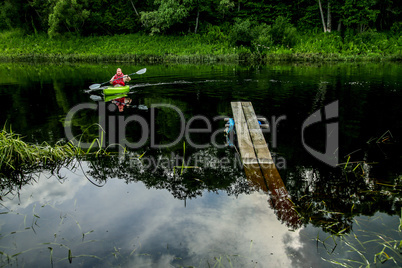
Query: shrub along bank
[[261, 43]]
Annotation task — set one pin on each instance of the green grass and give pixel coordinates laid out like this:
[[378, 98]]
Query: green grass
[[16, 154], [16, 46], [132, 47], [367, 248], [18, 158]]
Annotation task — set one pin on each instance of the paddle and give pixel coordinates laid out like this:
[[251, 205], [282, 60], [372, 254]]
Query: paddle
[[96, 86]]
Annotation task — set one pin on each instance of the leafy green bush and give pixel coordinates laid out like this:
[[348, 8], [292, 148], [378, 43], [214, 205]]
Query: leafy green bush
[[372, 36], [67, 16], [283, 32], [212, 45], [241, 33], [396, 28], [214, 34], [320, 43], [369, 42], [263, 40]]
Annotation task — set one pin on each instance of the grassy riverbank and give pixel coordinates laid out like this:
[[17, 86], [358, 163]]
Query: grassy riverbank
[[16, 46]]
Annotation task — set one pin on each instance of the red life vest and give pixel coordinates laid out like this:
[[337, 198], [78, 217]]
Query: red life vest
[[120, 101], [118, 81]]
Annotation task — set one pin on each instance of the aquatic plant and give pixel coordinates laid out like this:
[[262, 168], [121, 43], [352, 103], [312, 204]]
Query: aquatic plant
[[17, 155], [58, 244], [182, 167], [368, 248], [18, 158]]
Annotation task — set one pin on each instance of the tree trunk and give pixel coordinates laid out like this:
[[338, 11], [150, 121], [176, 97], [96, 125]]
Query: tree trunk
[[322, 16], [196, 21], [134, 8], [329, 23], [363, 27]]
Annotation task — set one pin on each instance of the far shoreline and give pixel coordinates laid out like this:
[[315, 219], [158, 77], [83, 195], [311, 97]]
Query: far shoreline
[[152, 59], [15, 46]]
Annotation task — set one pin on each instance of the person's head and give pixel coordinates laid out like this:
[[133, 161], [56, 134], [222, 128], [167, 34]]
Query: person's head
[[118, 71], [121, 107]]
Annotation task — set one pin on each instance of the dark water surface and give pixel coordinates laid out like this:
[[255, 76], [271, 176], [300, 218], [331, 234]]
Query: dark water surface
[[146, 208]]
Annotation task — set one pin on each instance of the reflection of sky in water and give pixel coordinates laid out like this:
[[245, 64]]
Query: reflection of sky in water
[[158, 227]]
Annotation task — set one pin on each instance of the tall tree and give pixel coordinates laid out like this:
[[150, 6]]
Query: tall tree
[[15, 14], [389, 13], [225, 6], [9, 17], [66, 16], [166, 16], [328, 25], [168, 13], [40, 14], [359, 14]]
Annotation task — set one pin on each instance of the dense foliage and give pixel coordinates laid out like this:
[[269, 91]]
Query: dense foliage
[[101, 17], [213, 46], [211, 27]]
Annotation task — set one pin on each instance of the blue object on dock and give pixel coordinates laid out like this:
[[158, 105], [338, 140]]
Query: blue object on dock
[[231, 125], [230, 129]]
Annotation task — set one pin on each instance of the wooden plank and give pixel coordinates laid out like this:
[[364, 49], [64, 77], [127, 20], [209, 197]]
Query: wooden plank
[[259, 166], [259, 144], [263, 154], [256, 178], [243, 136]]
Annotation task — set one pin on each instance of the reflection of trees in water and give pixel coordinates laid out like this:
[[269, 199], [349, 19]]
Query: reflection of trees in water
[[210, 170], [207, 172], [13, 179], [331, 198], [265, 177], [328, 198]]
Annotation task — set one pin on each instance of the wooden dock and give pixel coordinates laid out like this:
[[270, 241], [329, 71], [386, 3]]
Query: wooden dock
[[258, 164], [253, 147]]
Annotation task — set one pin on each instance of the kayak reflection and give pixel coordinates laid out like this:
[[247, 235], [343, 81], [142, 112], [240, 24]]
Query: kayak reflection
[[121, 102]]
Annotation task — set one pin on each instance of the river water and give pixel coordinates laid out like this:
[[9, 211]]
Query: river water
[[180, 196]]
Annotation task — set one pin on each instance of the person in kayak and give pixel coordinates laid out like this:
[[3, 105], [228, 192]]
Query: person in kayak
[[119, 79]]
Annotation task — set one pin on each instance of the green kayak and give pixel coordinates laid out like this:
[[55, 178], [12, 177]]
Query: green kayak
[[116, 90], [113, 97]]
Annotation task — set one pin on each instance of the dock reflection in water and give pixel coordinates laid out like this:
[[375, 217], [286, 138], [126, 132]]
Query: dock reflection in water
[[258, 164], [266, 178]]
